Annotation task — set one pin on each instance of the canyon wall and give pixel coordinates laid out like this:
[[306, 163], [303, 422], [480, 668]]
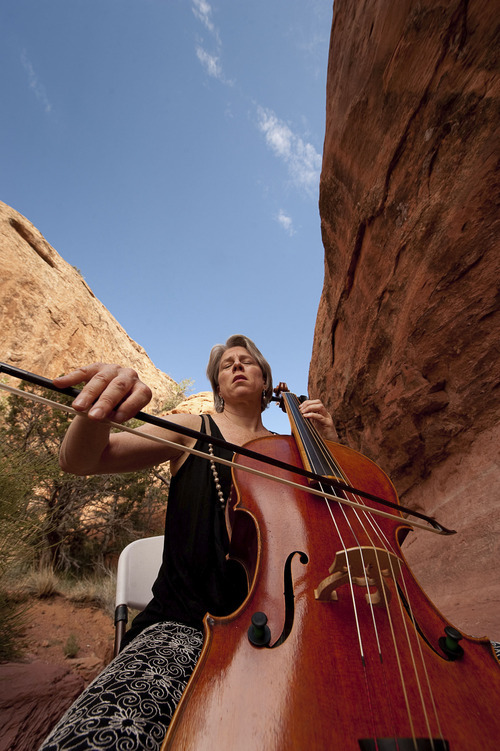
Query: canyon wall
[[50, 320], [406, 346]]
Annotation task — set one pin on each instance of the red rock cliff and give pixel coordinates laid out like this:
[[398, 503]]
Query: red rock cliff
[[50, 320], [406, 347]]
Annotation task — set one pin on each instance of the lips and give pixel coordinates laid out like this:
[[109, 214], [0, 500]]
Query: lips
[[239, 378]]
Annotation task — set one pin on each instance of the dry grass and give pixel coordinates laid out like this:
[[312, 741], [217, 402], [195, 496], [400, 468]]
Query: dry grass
[[13, 622], [17, 592], [40, 583], [98, 591], [72, 646]]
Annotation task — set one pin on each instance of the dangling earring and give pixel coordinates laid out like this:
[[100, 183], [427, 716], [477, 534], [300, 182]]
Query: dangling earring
[[221, 402]]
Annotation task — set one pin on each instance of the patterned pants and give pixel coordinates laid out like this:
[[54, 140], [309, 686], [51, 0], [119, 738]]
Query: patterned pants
[[129, 705]]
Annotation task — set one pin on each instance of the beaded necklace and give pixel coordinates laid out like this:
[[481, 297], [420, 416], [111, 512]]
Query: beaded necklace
[[218, 486]]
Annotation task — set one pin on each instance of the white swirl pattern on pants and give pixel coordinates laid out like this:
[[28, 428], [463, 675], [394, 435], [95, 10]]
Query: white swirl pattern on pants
[[130, 704]]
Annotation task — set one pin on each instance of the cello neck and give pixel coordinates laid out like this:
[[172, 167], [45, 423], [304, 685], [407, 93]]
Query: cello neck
[[313, 451]]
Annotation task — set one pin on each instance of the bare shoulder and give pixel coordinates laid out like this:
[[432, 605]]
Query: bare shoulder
[[183, 420], [186, 419]]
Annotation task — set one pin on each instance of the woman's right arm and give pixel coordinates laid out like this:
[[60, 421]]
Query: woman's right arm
[[116, 393]]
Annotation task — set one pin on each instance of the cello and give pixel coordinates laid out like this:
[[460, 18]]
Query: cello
[[335, 646]]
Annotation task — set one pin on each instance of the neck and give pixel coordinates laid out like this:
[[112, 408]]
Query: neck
[[243, 416]]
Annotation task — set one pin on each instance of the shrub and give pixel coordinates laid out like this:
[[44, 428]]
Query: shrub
[[72, 647], [54, 524], [13, 621]]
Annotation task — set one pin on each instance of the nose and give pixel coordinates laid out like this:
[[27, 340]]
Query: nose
[[237, 365]]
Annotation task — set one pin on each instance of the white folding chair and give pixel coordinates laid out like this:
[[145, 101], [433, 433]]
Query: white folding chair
[[138, 567]]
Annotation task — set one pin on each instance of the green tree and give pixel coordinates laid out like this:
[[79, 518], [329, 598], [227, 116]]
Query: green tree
[[178, 393], [75, 522]]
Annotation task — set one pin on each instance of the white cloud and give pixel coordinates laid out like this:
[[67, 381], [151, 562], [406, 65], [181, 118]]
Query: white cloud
[[302, 159], [278, 135], [286, 222], [209, 62], [34, 83], [203, 11]]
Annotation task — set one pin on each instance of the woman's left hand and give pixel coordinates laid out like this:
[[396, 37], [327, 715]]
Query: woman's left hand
[[315, 410]]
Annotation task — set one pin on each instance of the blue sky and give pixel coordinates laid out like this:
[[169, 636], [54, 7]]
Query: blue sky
[[171, 150]]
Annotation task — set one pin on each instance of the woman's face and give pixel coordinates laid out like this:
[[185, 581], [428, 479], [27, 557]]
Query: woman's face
[[240, 376]]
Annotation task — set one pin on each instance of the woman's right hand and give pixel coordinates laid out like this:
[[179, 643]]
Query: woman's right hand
[[107, 387]]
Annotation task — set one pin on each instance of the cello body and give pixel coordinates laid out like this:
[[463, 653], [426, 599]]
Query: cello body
[[353, 662]]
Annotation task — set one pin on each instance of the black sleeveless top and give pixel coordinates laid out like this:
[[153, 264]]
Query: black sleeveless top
[[194, 577]]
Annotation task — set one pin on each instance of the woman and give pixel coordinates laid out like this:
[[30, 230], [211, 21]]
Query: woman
[[130, 704]]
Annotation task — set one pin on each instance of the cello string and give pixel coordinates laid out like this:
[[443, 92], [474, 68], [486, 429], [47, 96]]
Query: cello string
[[330, 462], [392, 630], [417, 640], [411, 651], [388, 545], [305, 428], [351, 585], [396, 651], [157, 439], [340, 473], [316, 445], [301, 427], [369, 690]]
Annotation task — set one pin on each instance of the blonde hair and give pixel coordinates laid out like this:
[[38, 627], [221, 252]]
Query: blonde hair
[[238, 340]]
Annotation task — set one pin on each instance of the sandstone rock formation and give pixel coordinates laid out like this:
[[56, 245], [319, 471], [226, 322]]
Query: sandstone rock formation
[[406, 347], [27, 715], [50, 320], [195, 404]]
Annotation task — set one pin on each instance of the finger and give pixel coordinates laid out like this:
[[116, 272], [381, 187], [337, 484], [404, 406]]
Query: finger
[[138, 399], [312, 407], [127, 400], [74, 377], [110, 388], [102, 379], [107, 386], [315, 410], [97, 378], [78, 376], [280, 388]]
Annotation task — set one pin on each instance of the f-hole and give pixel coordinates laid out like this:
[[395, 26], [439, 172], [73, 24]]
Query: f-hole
[[289, 596]]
